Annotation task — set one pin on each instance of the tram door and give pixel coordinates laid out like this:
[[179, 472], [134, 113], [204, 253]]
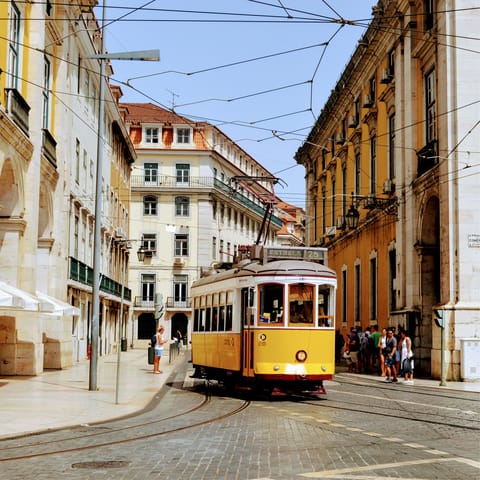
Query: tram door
[[248, 321]]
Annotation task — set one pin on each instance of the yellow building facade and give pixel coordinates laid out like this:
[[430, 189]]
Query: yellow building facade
[[384, 192]]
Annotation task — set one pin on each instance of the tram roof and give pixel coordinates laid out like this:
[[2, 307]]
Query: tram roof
[[277, 267]]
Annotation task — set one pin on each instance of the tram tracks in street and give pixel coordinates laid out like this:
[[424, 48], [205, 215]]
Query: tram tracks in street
[[150, 427], [411, 405]]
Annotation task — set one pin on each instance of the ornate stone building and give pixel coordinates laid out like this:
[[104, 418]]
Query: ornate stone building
[[392, 174]]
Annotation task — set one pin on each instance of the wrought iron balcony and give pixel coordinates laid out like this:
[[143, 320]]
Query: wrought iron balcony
[[427, 158], [18, 109], [174, 304], [84, 274], [147, 303], [49, 147]]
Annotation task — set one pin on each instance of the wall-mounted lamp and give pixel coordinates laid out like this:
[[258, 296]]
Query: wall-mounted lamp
[[141, 254], [370, 202]]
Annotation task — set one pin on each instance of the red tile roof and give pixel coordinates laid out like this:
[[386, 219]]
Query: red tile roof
[[150, 113]]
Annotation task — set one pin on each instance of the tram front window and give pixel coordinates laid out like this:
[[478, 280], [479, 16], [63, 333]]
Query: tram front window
[[300, 300], [271, 304]]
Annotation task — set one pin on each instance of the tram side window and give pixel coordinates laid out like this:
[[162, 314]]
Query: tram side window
[[324, 318], [300, 299], [221, 319], [208, 319], [229, 319], [196, 320], [201, 325], [214, 319], [271, 304]]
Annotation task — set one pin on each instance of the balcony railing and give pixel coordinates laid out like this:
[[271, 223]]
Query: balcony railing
[[147, 303], [49, 147], [427, 158], [84, 274], [164, 181], [18, 109], [178, 304]]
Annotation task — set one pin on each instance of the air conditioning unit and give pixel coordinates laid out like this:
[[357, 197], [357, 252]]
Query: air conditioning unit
[[370, 202], [341, 222], [388, 186], [352, 121], [368, 101], [330, 231], [387, 77], [339, 139]]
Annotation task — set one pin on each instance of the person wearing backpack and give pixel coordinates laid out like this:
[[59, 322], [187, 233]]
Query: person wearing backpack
[[157, 342]]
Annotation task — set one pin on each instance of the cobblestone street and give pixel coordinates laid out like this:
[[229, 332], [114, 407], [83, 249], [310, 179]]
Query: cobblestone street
[[362, 429]]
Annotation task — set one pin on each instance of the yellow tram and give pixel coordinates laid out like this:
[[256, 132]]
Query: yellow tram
[[268, 322]]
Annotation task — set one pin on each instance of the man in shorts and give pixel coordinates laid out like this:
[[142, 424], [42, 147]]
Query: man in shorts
[[390, 357]]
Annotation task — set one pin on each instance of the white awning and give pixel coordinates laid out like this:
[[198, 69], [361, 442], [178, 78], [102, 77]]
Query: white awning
[[56, 307], [15, 297]]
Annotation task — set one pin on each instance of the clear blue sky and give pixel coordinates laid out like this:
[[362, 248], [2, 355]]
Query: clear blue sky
[[260, 71]]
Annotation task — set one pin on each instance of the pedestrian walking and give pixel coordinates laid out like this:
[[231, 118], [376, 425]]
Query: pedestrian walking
[[354, 349], [390, 357], [375, 337], [406, 357], [179, 340], [159, 342], [382, 343]]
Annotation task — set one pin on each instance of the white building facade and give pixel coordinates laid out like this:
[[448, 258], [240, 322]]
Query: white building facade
[[196, 198]]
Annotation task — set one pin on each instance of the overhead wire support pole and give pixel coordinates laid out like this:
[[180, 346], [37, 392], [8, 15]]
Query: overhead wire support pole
[[92, 385], [146, 55]]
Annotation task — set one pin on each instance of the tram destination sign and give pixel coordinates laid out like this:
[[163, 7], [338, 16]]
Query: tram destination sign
[[297, 253]]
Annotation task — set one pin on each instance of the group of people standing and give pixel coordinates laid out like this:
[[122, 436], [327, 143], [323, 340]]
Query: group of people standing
[[385, 352]]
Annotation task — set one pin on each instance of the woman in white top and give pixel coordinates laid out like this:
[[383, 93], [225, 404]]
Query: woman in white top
[[382, 343], [158, 350], [405, 348]]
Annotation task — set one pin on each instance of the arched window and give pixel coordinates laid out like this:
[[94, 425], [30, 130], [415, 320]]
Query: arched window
[[182, 206], [150, 205]]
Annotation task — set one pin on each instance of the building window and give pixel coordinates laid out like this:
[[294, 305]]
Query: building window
[[373, 90], [181, 245], [183, 136], [357, 292], [344, 191], [182, 173], [391, 146], [46, 93], [373, 165], [214, 248], [77, 161], [428, 14], [152, 135], [148, 287], [373, 289], [150, 173], [324, 210], [182, 206], [324, 158], [430, 107], [13, 46], [344, 296], [392, 254], [391, 63], [150, 205], [334, 203], [149, 242], [358, 172], [180, 289]]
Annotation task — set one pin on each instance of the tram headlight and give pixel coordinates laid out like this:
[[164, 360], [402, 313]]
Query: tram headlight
[[301, 356]]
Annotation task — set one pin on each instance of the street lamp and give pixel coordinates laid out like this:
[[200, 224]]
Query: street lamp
[[142, 55]]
